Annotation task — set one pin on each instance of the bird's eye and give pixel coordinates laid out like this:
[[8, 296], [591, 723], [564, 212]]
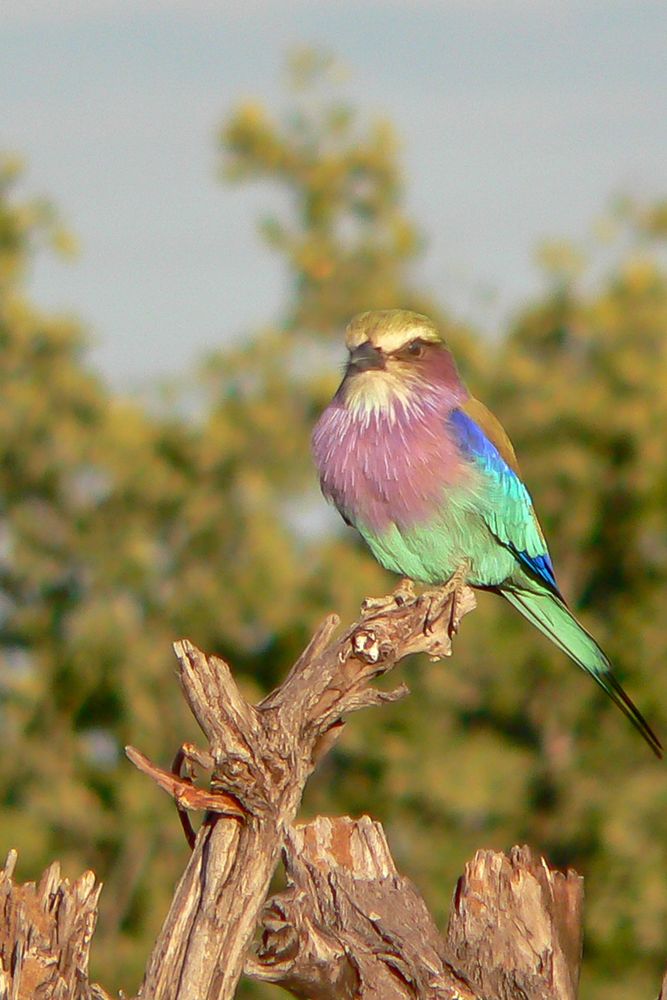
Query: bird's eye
[[415, 348]]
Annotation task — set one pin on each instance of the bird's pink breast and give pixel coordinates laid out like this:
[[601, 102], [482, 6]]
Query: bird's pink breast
[[381, 469]]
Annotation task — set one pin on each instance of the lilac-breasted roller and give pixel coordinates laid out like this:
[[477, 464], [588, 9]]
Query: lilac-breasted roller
[[429, 478]]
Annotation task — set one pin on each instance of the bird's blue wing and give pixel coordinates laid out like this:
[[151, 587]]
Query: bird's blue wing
[[505, 505], [505, 502]]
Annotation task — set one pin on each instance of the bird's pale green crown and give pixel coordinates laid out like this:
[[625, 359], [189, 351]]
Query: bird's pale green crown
[[389, 330]]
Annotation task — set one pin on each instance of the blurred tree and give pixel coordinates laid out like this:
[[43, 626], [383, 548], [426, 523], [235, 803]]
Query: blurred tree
[[84, 638], [122, 529]]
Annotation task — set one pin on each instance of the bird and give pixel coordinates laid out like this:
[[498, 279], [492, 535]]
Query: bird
[[430, 480]]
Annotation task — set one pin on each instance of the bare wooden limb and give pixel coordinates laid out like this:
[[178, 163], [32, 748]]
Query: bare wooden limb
[[45, 935], [348, 925], [262, 756], [515, 928]]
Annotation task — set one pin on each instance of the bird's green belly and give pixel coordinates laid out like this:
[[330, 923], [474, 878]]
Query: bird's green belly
[[433, 551]]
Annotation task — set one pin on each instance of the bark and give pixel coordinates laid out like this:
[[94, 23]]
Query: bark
[[515, 927], [349, 926], [663, 990], [45, 935]]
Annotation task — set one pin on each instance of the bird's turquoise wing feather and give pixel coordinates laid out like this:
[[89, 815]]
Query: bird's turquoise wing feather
[[506, 506], [504, 501]]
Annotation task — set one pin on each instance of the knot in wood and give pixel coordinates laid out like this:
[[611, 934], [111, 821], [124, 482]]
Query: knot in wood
[[366, 645]]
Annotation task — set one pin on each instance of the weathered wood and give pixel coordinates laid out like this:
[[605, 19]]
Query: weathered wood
[[515, 929], [262, 756], [45, 935], [349, 926]]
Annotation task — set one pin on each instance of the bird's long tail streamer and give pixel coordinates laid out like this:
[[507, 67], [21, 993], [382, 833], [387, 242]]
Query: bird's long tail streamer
[[558, 623]]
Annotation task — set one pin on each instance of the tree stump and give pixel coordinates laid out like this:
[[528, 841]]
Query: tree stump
[[45, 936]]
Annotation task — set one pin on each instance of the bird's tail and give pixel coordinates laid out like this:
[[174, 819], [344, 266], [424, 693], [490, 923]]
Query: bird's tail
[[552, 617]]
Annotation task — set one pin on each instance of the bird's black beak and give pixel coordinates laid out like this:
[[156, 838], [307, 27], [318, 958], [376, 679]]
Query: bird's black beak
[[365, 358]]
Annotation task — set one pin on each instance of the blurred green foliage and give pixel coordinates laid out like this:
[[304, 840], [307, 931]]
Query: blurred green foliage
[[123, 528]]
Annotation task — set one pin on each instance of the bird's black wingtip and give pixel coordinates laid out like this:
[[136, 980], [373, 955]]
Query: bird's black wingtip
[[657, 747], [653, 741], [629, 708]]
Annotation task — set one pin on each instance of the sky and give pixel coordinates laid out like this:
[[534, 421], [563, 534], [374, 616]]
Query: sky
[[519, 119]]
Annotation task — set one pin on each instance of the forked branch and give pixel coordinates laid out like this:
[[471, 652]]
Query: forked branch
[[348, 925], [261, 757]]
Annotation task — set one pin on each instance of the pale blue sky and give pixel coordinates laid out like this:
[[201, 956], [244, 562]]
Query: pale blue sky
[[519, 119]]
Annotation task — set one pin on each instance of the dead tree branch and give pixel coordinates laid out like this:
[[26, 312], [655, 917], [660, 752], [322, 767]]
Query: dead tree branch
[[262, 756], [348, 925]]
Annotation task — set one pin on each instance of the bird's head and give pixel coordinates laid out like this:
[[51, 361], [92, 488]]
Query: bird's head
[[394, 355]]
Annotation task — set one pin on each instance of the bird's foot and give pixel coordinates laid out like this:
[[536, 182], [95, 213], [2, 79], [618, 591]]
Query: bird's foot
[[404, 594], [447, 599]]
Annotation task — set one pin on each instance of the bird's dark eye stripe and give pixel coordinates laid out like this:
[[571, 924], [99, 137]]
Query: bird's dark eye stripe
[[413, 349]]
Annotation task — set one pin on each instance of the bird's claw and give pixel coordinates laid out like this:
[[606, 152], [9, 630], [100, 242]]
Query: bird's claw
[[448, 597], [456, 613], [436, 601]]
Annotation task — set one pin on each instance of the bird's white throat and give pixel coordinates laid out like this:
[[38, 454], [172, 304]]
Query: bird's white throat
[[378, 392]]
